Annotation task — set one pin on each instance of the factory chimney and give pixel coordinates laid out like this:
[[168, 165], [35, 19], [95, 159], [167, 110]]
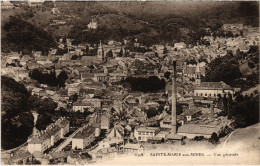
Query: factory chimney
[[174, 112], [211, 111]]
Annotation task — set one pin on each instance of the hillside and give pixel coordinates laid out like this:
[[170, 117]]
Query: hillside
[[25, 37], [150, 22], [245, 138], [16, 119]]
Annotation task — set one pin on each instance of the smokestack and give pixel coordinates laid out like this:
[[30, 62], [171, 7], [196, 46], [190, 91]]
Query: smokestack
[[211, 111], [174, 115]]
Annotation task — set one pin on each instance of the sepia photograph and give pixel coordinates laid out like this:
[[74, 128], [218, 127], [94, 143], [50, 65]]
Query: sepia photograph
[[130, 82]]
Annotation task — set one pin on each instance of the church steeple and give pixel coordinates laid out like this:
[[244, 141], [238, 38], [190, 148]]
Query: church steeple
[[197, 75], [100, 52]]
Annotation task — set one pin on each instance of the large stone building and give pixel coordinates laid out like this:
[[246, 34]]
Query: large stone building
[[144, 133], [47, 138], [83, 138], [212, 89]]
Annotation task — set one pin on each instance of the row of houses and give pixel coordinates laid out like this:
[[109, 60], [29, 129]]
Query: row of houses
[[48, 137]]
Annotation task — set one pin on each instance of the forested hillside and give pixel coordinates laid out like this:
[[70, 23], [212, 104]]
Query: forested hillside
[[25, 37], [150, 22], [16, 118]]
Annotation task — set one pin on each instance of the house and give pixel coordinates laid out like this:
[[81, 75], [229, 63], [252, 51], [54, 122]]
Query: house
[[37, 91], [133, 148], [81, 106], [59, 156], [165, 123], [6, 5], [92, 24], [33, 65], [20, 157], [50, 93], [231, 27], [190, 72], [114, 138], [106, 152], [73, 89], [105, 122], [179, 46], [20, 73], [212, 89], [63, 95], [83, 138], [84, 76], [87, 93], [193, 130], [191, 113], [152, 104], [25, 59], [100, 77], [37, 3], [95, 102], [73, 158], [47, 138], [143, 133]]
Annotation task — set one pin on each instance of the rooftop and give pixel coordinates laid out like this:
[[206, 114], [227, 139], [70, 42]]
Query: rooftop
[[213, 85], [147, 129], [199, 129], [85, 133]]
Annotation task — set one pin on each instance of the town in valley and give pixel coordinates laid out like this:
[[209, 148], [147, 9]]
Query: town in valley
[[85, 82]]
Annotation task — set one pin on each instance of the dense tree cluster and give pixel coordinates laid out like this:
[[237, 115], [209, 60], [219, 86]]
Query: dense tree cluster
[[49, 78], [25, 37], [226, 69], [16, 118], [245, 110], [150, 84], [223, 69]]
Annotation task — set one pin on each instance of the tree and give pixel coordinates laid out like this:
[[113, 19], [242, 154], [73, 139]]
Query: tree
[[150, 84], [25, 37], [74, 97], [43, 121], [16, 119], [152, 112], [109, 54], [120, 54], [62, 77], [223, 69], [214, 138], [251, 65], [74, 57], [36, 75], [165, 51], [167, 75]]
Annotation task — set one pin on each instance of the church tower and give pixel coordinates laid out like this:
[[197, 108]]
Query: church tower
[[100, 52], [197, 75]]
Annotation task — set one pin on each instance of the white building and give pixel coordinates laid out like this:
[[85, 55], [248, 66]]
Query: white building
[[143, 133], [179, 46], [81, 106], [212, 89], [47, 138], [83, 138], [92, 25]]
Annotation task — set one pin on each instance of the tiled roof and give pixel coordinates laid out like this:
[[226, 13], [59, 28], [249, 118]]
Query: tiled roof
[[191, 111], [198, 129], [82, 104], [49, 131], [214, 85], [147, 129], [85, 132]]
